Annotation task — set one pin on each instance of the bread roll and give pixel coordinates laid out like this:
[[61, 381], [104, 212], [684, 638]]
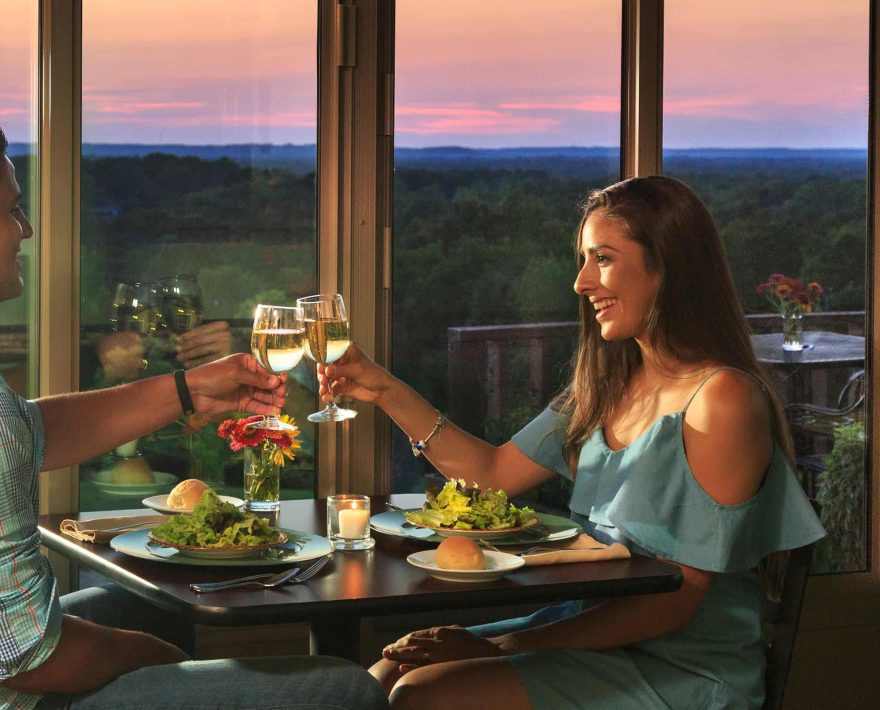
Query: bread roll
[[459, 552], [186, 494], [131, 472]]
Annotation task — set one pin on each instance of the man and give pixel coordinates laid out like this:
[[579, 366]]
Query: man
[[50, 658]]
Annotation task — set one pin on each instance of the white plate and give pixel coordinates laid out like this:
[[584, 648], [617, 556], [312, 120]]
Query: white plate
[[104, 481], [554, 528], [135, 544], [160, 503], [497, 565]]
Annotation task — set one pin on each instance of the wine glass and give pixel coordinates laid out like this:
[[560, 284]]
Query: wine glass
[[181, 303], [136, 307], [327, 339], [277, 344]]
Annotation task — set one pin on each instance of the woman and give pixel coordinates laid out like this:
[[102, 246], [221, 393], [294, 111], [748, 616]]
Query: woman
[[678, 449]]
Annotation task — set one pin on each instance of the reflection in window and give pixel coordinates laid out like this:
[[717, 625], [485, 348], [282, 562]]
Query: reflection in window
[[18, 115], [773, 135], [504, 120], [198, 202]]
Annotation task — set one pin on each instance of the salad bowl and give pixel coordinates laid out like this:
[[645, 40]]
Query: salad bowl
[[219, 552], [478, 534]]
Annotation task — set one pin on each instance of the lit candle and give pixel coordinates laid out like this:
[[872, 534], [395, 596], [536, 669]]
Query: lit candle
[[353, 523]]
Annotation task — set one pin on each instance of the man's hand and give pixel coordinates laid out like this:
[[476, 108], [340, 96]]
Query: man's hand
[[204, 343], [236, 383]]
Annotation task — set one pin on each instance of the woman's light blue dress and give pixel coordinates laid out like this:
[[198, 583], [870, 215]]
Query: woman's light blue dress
[[646, 497]]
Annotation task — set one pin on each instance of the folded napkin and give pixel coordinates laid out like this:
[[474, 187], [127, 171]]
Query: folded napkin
[[102, 530], [582, 549]]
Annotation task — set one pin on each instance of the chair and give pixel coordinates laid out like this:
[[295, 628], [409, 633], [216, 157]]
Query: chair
[[813, 426], [782, 613], [818, 419]]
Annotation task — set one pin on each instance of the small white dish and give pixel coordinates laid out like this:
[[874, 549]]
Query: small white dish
[[104, 481], [497, 565], [160, 503]]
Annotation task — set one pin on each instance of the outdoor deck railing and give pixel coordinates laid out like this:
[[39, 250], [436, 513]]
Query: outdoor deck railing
[[479, 360]]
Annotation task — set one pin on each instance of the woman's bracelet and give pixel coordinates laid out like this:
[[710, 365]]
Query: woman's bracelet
[[420, 445]]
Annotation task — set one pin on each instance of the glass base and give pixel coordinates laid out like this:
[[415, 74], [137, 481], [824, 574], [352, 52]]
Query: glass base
[[272, 424], [347, 544], [262, 506], [332, 414]]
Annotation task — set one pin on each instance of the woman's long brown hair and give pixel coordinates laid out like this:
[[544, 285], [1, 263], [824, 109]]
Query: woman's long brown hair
[[697, 316]]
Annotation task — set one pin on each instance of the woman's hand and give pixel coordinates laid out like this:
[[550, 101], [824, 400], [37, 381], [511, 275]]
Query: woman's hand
[[438, 645], [354, 375], [204, 343], [236, 383]]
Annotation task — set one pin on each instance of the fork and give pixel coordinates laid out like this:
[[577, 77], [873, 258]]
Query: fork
[[130, 526], [291, 576], [529, 551]]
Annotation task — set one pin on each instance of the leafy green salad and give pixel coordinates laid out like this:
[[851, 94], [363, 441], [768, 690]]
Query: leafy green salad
[[215, 523], [460, 507]]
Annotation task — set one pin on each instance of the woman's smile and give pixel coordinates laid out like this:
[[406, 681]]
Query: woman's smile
[[603, 307], [615, 264]]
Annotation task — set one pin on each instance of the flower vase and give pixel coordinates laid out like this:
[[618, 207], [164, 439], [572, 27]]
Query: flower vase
[[793, 331], [262, 481]]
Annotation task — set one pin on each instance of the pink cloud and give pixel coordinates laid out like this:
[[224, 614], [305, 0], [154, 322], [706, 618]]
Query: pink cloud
[[463, 119], [135, 107], [593, 104], [12, 112], [303, 119], [710, 106]]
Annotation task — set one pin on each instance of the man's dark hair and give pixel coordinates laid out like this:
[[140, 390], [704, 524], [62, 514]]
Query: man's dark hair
[[4, 144]]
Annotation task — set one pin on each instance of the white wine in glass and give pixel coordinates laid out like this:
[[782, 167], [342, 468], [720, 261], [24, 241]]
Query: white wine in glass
[[136, 307], [181, 303], [327, 339], [277, 342]]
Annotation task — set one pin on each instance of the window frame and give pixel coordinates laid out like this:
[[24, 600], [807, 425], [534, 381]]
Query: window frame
[[355, 162]]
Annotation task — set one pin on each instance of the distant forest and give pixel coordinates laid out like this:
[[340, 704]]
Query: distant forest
[[480, 237]]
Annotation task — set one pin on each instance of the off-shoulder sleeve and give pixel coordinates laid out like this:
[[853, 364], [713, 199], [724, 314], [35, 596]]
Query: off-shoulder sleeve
[[542, 439], [673, 517]]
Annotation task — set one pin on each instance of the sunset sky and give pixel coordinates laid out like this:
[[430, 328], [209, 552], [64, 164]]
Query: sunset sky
[[738, 73]]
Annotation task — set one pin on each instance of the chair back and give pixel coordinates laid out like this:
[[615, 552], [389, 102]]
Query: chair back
[[783, 615]]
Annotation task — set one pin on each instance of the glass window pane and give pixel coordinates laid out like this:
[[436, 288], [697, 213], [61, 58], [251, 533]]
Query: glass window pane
[[765, 115], [198, 161], [18, 119], [506, 115]]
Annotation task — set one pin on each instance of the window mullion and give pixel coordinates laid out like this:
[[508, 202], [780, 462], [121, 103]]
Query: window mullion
[[60, 120], [641, 115], [354, 167]]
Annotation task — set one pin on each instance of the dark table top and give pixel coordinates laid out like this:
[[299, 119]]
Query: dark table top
[[822, 349], [374, 583]]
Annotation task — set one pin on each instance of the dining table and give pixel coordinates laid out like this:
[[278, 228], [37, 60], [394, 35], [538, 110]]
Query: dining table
[[803, 375], [355, 584]]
